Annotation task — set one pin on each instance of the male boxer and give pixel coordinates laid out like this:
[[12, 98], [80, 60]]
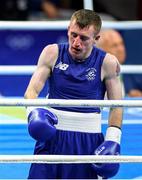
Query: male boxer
[[76, 70]]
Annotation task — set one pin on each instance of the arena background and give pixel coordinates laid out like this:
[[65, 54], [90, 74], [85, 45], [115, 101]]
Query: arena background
[[22, 46]]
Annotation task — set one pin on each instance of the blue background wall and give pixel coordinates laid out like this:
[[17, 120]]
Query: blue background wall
[[23, 47]]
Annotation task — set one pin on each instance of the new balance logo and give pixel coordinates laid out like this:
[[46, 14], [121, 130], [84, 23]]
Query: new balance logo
[[62, 66]]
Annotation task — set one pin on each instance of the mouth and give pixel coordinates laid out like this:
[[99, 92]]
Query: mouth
[[76, 54], [76, 50]]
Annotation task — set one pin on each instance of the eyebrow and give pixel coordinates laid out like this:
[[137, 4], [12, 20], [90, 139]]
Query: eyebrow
[[81, 36]]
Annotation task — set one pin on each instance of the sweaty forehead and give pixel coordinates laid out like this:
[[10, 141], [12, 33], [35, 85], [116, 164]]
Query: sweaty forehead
[[75, 27]]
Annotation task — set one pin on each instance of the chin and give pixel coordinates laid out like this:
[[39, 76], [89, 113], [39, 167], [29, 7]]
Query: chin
[[74, 56], [77, 58]]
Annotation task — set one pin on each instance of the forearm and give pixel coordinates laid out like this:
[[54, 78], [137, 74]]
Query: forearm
[[115, 117], [31, 93], [34, 88]]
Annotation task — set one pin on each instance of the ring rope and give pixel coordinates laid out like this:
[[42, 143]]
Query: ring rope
[[28, 70], [69, 103], [62, 25], [59, 159]]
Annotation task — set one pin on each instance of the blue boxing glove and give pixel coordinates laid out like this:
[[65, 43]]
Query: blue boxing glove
[[41, 123], [111, 146]]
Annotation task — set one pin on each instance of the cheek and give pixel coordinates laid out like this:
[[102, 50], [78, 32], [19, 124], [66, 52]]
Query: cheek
[[88, 45], [70, 41]]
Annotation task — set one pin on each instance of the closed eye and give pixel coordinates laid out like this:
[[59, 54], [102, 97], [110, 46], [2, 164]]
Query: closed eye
[[83, 38]]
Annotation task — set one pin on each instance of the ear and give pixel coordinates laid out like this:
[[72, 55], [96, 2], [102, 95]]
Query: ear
[[68, 29], [97, 37]]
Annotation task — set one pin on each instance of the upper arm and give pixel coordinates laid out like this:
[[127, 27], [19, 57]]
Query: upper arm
[[43, 70], [111, 77], [46, 62]]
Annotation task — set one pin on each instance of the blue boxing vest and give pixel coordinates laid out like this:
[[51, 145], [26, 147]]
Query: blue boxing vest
[[77, 80]]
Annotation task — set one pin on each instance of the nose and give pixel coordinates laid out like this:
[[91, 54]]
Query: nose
[[77, 41]]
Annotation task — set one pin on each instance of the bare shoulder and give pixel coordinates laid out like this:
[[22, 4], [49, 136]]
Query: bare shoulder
[[49, 55], [51, 49], [110, 65], [110, 61]]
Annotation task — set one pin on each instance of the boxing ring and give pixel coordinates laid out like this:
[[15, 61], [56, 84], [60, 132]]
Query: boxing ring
[[15, 140], [16, 147]]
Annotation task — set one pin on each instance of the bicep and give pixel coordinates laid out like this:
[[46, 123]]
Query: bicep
[[43, 70], [113, 88], [111, 70]]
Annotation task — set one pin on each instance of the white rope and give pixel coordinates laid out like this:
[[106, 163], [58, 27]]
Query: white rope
[[126, 25], [62, 25], [131, 69], [17, 70], [33, 25], [28, 70], [59, 159], [69, 103]]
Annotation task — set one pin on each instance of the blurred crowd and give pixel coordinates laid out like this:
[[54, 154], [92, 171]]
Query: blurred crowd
[[62, 9]]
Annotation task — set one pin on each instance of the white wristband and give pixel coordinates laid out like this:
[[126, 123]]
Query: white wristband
[[113, 134]]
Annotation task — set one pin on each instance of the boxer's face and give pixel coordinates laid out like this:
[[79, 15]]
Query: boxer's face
[[81, 41]]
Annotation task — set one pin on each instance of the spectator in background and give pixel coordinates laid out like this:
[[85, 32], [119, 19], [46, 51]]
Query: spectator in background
[[108, 9], [53, 9], [20, 10], [50, 8], [37, 9], [14, 10], [118, 9], [60, 9], [112, 42]]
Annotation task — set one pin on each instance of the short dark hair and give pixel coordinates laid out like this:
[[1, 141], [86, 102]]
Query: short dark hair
[[86, 17]]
